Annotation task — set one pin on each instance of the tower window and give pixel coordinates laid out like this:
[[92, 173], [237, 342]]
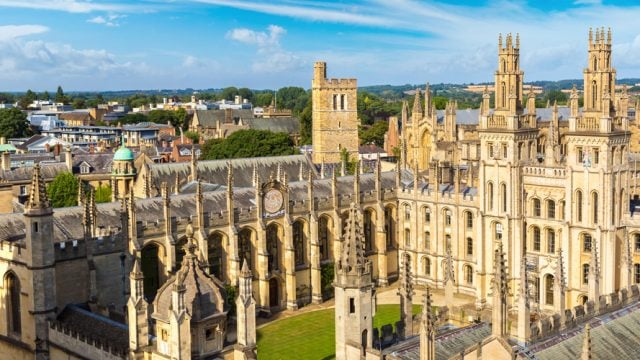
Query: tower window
[[586, 243], [335, 102], [585, 273], [352, 306], [343, 102]]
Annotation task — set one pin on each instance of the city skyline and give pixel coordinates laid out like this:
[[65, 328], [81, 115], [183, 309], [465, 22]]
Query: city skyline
[[112, 45]]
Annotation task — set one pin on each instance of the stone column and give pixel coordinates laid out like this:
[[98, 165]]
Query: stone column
[[316, 281]]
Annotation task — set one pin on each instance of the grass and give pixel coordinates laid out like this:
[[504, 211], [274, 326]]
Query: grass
[[311, 335]]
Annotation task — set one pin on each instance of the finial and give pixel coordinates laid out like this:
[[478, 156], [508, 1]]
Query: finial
[[590, 35], [500, 41], [517, 40], [609, 36]]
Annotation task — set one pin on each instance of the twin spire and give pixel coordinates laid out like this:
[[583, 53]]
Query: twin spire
[[38, 202]]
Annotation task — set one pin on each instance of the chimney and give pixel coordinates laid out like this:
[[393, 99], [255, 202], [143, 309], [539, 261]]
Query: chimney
[[68, 158], [3, 140], [6, 160], [228, 116]]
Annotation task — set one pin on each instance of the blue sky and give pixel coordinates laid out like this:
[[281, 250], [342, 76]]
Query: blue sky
[[152, 44]]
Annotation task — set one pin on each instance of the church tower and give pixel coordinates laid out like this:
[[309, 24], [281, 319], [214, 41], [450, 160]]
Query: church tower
[[599, 76], [354, 307], [123, 171], [335, 116], [38, 218], [508, 78]]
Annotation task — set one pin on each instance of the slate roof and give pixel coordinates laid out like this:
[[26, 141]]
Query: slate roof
[[100, 163], [289, 125], [472, 116], [48, 171], [94, 326], [209, 118]]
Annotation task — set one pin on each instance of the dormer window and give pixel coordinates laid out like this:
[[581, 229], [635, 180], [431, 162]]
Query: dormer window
[[84, 169]]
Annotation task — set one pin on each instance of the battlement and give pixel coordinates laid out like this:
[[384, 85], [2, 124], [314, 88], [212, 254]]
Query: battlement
[[320, 79], [509, 45]]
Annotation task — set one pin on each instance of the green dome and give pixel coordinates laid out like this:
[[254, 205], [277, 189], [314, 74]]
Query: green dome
[[124, 154]]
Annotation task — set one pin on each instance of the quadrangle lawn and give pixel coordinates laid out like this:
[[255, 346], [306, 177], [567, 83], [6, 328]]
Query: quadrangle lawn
[[311, 335]]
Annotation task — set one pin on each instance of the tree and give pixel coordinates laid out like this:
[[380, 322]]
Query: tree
[[13, 123], [263, 99], [246, 93], [556, 95], [63, 190], [79, 103], [306, 125], [6, 98], [193, 135], [163, 117], [45, 96], [248, 143], [229, 93], [293, 98], [60, 98], [374, 134], [28, 98], [103, 194], [133, 118]]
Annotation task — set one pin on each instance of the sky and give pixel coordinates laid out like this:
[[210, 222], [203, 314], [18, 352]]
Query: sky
[[169, 44]]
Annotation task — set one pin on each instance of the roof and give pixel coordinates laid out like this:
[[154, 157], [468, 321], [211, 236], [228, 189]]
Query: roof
[[289, 125], [74, 115], [472, 116], [7, 147], [124, 154], [95, 327], [100, 163], [209, 118], [24, 174]]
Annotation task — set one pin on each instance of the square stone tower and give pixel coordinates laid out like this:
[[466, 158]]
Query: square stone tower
[[335, 116]]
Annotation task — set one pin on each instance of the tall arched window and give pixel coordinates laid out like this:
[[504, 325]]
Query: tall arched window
[[469, 246], [389, 226], [585, 273], [244, 246], [427, 241], [427, 215], [498, 231], [503, 90], [407, 212], [551, 241], [12, 296], [579, 205], [407, 237], [469, 219], [594, 203], [548, 289], [468, 274], [323, 237], [490, 195], [273, 248], [504, 196], [636, 273], [536, 238], [369, 230], [586, 242], [594, 93], [551, 209], [298, 242], [427, 266], [215, 255], [447, 217], [536, 207], [636, 242]]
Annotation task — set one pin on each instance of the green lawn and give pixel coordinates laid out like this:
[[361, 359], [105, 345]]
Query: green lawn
[[311, 335]]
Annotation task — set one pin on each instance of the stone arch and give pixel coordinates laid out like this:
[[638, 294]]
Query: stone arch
[[425, 149], [579, 205], [12, 303], [467, 271], [151, 257], [536, 238], [300, 239], [426, 265], [390, 226], [325, 237], [369, 229], [217, 254], [246, 248], [274, 240], [550, 239], [548, 290]]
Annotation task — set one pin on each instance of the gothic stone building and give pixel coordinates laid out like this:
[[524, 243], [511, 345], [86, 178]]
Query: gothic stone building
[[548, 186]]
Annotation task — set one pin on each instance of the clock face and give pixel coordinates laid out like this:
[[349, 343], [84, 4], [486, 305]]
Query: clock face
[[272, 201]]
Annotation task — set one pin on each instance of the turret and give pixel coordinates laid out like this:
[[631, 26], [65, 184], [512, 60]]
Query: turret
[[427, 329], [500, 290], [246, 314]]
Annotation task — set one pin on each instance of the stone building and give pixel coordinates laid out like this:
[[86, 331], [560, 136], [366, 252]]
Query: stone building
[[548, 190]]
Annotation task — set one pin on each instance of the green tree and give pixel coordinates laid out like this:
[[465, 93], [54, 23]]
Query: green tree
[[183, 118], [13, 123], [248, 143], [45, 96], [293, 98], [103, 194], [440, 102], [28, 98], [63, 190], [193, 135], [133, 118], [6, 98], [246, 93], [60, 97], [229, 93], [374, 134], [263, 98], [556, 95], [163, 117], [79, 103]]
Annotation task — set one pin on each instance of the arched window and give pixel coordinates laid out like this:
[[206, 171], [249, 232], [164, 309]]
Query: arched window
[[389, 227], [469, 219], [12, 296], [548, 289], [407, 237], [636, 273], [579, 205], [498, 231], [369, 230], [468, 274], [407, 212], [298, 243], [447, 217], [536, 207], [215, 255], [551, 241], [490, 195], [594, 203], [551, 209], [150, 264], [469, 246], [503, 91], [427, 215], [636, 242], [586, 243], [427, 266], [273, 248], [594, 92], [244, 246], [504, 196], [536, 238], [447, 241], [585, 273], [323, 237], [427, 240]]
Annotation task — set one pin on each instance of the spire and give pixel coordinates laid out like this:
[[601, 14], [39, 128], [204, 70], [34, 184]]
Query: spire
[[524, 317], [80, 192], [417, 107], [38, 203], [194, 164], [405, 290], [427, 329], [500, 293], [229, 178], [427, 100], [586, 343], [594, 273], [352, 260], [559, 286]]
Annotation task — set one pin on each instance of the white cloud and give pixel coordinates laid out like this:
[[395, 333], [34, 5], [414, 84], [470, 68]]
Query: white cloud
[[72, 6], [272, 58], [8, 32], [111, 20]]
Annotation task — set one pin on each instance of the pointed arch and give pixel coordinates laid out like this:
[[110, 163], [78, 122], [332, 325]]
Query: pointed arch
[[246, 237], [274, 234], [217, 254], [325, 237], [12, 304], [300, 242]]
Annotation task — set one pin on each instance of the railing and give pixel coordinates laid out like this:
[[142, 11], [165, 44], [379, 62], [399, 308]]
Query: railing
[[588, 124], [497, 121]]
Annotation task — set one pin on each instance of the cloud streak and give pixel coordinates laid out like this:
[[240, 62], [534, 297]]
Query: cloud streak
[[9, 32]]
